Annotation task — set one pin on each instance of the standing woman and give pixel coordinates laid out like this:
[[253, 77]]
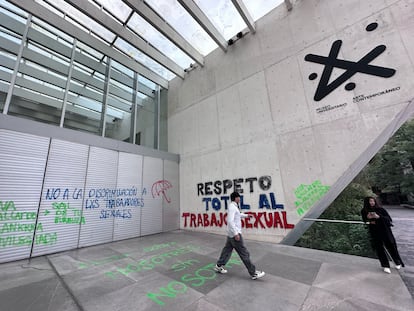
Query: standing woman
[[380, 224]]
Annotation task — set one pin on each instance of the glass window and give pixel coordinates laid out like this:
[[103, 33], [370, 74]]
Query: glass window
[[78, 18], [147, 82], [9, 8], [51, 31], [223, 15], [116, 8], [121, 68], [182, 22], [150, 34], [15, 38], [259, 8], [146, 121], [143, 59]]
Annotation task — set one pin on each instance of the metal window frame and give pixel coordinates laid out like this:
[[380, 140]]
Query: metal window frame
[[88, 39], [147, 13], [120, 31], [16, 67], [192, 8], [244, 13]]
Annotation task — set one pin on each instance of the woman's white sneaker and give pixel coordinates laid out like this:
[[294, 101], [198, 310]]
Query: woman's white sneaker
[[387, 270], [398, 267]]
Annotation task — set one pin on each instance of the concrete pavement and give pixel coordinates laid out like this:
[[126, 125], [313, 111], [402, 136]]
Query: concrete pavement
[[403, 219], [173, 271]]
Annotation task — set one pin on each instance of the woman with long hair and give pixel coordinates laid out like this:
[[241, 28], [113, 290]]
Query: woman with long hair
[[380, 223]]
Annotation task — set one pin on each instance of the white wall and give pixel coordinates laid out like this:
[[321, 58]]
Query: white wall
[[251, 112]]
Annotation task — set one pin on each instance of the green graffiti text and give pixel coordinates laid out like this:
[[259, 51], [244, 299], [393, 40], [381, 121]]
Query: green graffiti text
[[307, 195]]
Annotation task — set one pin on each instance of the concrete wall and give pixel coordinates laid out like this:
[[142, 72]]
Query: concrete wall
[[250, 114]]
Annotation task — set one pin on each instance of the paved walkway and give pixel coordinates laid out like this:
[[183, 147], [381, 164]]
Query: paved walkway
[[403, 219], [173, 271]]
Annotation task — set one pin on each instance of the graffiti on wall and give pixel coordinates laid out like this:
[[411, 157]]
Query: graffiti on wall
[[66, 214], [215, 197], [114, 203], [17, 228], [20, 228], [111, 203], [161, 187], [259, 220], [307, 195]]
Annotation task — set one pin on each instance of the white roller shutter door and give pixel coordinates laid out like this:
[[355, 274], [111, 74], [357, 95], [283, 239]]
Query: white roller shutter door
[[99, 190], [171, 202], [151, 218], [22, 167], [129, 201], [62, 197]]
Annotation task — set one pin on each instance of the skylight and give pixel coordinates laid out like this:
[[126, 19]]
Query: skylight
[[169, 37]]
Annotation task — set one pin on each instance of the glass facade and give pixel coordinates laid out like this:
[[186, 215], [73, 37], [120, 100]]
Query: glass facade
[[51, 77], [103, 66]]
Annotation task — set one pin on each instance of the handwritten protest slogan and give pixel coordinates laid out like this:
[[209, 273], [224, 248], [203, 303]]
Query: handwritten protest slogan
[[187, 273], [215, 197], [113, 258], [195, 279], [93, 263], [17, 228], [111, 203], [114, 203], [259, 220], [307, 195], [67, 215], [150, 263]]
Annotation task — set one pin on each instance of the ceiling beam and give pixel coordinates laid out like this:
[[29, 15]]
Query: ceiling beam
[[72, 30], [192, 8], [108, 22], [288, 5], [244, 13], [156, 21]]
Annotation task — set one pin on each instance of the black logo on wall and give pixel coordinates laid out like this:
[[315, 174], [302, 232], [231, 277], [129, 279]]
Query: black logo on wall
[[325, 88]]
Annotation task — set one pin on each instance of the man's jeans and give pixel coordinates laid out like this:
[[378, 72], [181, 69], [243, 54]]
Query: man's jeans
[[240, 249]]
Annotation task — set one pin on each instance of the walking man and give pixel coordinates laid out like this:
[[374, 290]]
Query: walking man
[[235, 240]]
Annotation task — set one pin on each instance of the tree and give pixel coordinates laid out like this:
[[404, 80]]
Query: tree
[[344, 238], [392, 167]]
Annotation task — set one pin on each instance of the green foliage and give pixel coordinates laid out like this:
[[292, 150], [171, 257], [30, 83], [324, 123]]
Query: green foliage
[[390, 170], [348, 204], [392, 167], [343, 238]]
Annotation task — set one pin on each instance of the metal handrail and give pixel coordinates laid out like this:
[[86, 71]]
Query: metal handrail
[[338, 221]]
